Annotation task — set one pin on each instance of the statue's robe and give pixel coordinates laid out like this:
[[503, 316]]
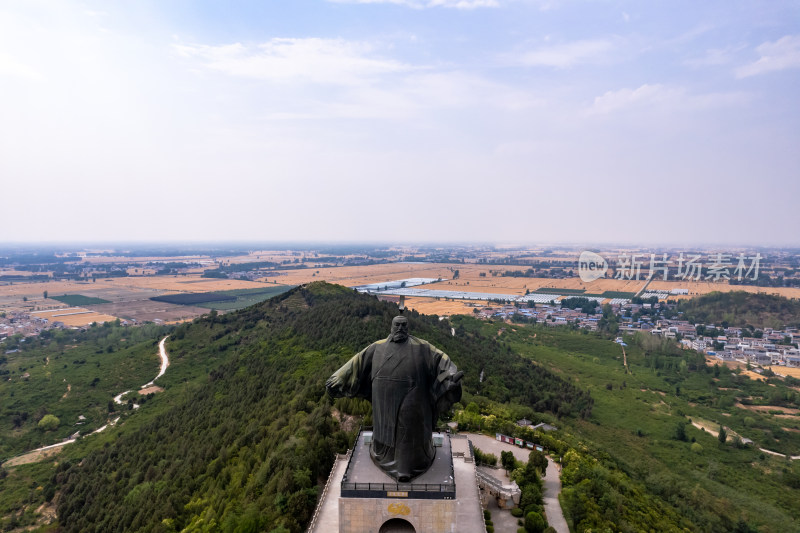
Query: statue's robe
[[409, 384]]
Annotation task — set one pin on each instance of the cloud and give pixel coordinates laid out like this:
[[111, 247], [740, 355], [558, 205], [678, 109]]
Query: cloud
[[306, 79], [662, 97], [11, 67], [322, 61], [692, 34], [779, 55], [568, 54], [424, 4], [715, 57], [414, 96], [625, 98]]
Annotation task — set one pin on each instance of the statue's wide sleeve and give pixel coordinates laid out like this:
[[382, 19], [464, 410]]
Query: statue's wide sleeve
[[447, 385], [354, 377]]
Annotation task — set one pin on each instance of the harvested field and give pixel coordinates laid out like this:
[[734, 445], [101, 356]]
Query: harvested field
[[710, 360], [120, 259], [471, 280], [11, 296], [148, 311], [697, 288], [265, 255], [193, 283], [432, 306], [362, 275], [786, 371], [128, 297], [75, 316], [21, 273], [457, 285], [134, 288]]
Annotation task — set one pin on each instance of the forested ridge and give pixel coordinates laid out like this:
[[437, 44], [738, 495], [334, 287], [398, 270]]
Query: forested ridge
[[252, 438], [740, 308]]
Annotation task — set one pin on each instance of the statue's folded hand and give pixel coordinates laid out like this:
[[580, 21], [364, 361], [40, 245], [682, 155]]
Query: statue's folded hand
[[334, 386]]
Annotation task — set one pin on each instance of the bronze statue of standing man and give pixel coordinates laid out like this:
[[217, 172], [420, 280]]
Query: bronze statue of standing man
[[409, 382]]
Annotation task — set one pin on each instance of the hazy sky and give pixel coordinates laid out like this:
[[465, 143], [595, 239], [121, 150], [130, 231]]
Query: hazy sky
[[416, 120]]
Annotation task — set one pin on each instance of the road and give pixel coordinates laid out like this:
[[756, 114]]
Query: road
[[552, 488]]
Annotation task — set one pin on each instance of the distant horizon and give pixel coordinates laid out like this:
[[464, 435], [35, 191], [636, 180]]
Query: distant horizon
[[312, 244]]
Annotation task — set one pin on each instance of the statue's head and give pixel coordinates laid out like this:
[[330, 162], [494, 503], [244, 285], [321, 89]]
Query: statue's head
[[399, 329]]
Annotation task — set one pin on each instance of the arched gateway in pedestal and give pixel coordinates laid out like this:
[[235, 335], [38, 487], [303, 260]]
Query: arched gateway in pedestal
[[397, 525]]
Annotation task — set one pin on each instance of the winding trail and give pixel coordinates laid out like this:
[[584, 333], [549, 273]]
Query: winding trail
[[715, 433], [625, 360], [40, 453], [162, 352]]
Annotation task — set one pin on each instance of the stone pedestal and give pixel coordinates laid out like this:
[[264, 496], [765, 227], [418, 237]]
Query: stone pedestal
[[368, 515], [373, 502]]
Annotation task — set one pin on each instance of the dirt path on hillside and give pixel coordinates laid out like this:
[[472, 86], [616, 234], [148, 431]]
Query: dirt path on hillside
[[38, 454], [625, 360], [706, 426]]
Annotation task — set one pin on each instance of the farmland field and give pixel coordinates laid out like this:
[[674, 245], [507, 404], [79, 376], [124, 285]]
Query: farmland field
[[224, 300], [29, 296], [149, 311], [245, 297], [563, 291], [618, 294], [470, 279], [74, 316], [78, 299], [704, 287], [432, 306], [786, 371], [193, 298], [362, 275]]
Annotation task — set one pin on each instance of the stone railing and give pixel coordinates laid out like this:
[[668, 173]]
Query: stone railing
[[497, 486], [408, 490], [322, 496]]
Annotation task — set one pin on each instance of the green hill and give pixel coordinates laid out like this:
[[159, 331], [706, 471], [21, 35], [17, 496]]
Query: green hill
[[639, 463], [243, 437], [246, 447], [740, 308]]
